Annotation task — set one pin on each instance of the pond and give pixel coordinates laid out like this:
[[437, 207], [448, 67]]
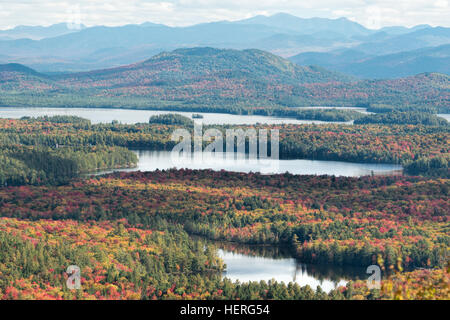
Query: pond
[[152, 160], [255, 263], [130, 116]]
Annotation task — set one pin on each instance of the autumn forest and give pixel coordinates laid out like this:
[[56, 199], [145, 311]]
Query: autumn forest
[[147, 235]]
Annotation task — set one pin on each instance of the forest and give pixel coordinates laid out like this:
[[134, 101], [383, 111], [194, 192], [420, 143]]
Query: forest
[[31, 158], [171, 119], [383, 108], [115, 227], [75, 145], [37, 165], [399, 218], [396, 117], [131, 233]]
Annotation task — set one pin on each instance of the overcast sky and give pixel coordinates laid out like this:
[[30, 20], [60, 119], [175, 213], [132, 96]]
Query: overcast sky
[[370, 13]]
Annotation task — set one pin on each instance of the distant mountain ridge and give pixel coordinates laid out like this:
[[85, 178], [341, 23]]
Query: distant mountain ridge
[[39, 32], [211, 79], [310, 25], [422, 38], [282, 34], [396, 65]]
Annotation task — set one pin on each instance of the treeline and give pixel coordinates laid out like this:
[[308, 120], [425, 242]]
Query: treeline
[[60, 119], [331, 115], [396, 117], [385, 108], [435, 167]]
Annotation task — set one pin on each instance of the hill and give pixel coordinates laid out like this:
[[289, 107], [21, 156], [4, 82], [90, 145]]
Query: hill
[[198, 64], [224, 80], [17, 68], [16, 77]]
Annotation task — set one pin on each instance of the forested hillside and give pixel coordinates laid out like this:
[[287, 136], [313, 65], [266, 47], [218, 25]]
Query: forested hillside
[[207, 79]]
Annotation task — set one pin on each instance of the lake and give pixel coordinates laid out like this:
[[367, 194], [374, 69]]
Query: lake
[[130, 116], [162, 160], [255, 263]]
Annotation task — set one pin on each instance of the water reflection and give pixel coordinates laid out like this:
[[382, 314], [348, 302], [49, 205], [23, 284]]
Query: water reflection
[[255, 263], [163, 160]]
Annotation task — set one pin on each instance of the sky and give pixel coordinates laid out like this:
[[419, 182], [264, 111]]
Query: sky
[[372, 14]]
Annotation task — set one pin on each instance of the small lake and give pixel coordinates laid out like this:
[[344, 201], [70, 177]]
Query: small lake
[[255, 263], [446, 116], [163, 160], [130, 116]]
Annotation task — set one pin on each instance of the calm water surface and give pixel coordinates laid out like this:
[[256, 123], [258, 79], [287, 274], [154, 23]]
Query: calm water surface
[[98, 115], [126, 116], [255, 263], [163, 160]]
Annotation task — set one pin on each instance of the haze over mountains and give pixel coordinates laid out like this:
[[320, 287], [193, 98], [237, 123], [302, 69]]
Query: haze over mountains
[[366, 65], [337, 44], [39, 32]]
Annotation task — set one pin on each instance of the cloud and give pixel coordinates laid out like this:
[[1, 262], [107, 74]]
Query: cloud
[[370, 13], [441, 4]]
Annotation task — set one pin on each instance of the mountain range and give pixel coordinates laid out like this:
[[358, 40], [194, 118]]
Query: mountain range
[[366, 65], [210, 79], [39, 32], [61, 49]]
